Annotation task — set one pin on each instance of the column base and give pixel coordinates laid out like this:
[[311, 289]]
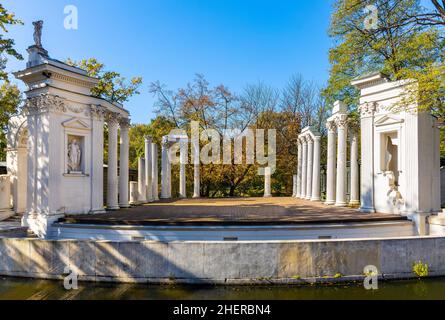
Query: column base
[[267, 196], [354, 203], [39, 223], [367, 210], [307, 198], [113, 208], [6, 214], [341, 204], [315, 199], [97, 211], [124, 206], [297, 196]]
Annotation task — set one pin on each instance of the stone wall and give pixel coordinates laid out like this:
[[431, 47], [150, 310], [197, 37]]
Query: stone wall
[[220, 262]]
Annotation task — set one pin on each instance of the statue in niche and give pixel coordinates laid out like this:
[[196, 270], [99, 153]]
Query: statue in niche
[[388, 154], [392, 173], [74, 156], [38, 26]]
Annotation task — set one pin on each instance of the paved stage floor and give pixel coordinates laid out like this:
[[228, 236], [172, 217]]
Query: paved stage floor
[[239, 211]]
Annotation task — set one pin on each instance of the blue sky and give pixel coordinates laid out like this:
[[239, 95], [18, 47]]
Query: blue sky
[[234, 42]]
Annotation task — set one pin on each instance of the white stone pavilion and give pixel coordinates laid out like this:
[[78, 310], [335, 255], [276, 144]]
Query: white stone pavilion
[[55, 146]]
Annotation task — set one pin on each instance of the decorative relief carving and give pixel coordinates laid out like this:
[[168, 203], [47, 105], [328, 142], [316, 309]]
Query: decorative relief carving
[[124, 123], [76, 109], [341, 122], [96, 111], [44, 103], [368, 109], [330, 125], [112, 118]]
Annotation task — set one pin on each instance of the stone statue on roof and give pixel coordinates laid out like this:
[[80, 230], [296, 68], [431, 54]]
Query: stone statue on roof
[[38, 26]]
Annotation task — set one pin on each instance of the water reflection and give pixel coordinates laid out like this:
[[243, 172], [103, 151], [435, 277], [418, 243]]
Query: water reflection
[[24, 289]]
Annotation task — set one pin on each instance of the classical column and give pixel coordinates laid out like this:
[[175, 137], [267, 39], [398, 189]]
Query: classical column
[[134, 193], [300, 166], [196, 169], [294, 185], [142, 198], [332, 163], [169, 173], [309, 171], [267, 183], [304, 169], [165, 168], [124, 173], [342, 127], [367, 158], [97, 161], [355, 194], [182, 168], [148, 169], [155, 171], [112, 186], [316, 170]]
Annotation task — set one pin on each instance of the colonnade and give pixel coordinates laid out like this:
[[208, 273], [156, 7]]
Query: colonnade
[[307, 180], [148, 184], [339, 126], [308, 175], [117, 179]]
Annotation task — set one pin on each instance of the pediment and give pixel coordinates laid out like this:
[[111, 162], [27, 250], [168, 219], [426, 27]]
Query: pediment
[[76, 123], [388, 120]]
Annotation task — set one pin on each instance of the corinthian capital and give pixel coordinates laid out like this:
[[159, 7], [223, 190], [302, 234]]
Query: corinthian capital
[[96, 111], [368, 109], [330, 125], [341, 122], [44, 103], [112, 118], [124, 123]]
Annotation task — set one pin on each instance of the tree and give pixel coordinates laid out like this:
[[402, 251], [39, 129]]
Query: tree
[[258, 106], [10, 96], [7, 45], [112, 86], [10, 99], [426, 17], [399, 49], [214, 108], [158, 127]]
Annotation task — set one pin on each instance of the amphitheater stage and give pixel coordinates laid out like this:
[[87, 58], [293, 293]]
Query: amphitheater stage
[[240, 211], [231, 219]]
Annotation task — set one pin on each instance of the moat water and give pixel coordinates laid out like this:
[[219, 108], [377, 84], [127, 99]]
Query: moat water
[[21, 289]]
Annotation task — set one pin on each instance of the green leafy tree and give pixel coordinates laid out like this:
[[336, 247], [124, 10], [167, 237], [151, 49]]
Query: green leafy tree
[[112, 86], [398, 47], [10, 96], [6, 44], [157, 128]]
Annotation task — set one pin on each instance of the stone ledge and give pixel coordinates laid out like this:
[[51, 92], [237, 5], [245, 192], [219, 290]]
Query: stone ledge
[[226, 263]]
